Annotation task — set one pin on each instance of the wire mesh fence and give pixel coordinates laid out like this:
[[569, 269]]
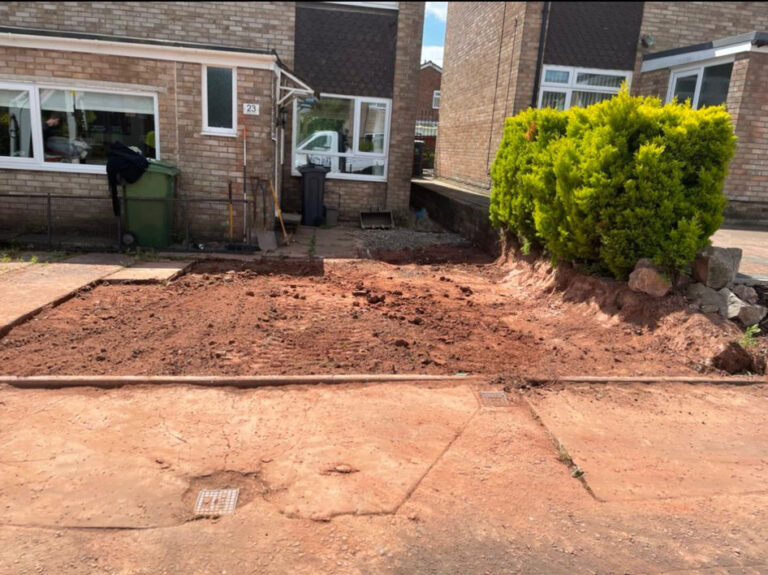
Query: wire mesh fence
[[79, 221]]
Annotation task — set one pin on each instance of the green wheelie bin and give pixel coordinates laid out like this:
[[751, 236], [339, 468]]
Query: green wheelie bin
[[149, 205]]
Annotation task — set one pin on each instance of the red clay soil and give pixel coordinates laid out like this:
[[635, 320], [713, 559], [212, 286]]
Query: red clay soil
[[437, 311]]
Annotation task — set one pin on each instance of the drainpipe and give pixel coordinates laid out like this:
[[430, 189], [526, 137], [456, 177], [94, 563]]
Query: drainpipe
[[540, 56], [275, 132]]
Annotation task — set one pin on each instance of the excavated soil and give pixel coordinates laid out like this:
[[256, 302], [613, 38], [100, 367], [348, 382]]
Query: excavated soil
[[439, 310]]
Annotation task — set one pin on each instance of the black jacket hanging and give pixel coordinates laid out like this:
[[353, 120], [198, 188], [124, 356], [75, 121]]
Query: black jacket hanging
[[125, 164]]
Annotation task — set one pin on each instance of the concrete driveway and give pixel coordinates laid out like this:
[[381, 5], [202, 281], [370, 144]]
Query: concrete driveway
[[395, 478]]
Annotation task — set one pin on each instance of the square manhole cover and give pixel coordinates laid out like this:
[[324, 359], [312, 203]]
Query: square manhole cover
[[494, 399], [216, 501]]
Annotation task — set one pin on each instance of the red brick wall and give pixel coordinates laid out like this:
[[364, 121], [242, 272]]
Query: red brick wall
[[429, 81], [207, 163], [255, 25], [477, 92], [679, 24], [748, 103]]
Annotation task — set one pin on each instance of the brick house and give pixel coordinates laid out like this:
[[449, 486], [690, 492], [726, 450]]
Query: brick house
[[428, 106], [501, 58], [329, 82]]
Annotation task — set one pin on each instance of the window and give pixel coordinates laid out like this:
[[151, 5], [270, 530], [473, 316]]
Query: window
[[436, 100], [703, 86], [563, 88], [78, 127], [72, 129], [16, 123], [348, 135], [219, 101]]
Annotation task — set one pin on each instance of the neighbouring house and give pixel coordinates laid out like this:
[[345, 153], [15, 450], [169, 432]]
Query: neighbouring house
[[332, 83], [428, 109], [503, 57]]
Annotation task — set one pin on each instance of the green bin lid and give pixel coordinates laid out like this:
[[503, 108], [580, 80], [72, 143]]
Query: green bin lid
[[161, 167]]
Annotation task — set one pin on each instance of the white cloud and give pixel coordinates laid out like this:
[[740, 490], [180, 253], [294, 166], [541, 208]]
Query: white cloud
[[433, 53], [437, 9]]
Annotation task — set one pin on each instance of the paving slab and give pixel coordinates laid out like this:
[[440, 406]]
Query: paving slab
[[754, 244], [150, 272], [657, 442], [28, 290]]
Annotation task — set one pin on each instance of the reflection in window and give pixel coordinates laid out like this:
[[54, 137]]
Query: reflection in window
[[373, 124], [80, 126], [15, 124], [704, 86], [345, 134], [714, 85], [557, 76], [219, 97]]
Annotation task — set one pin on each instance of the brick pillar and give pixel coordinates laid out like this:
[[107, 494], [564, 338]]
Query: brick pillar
[[410, 22]]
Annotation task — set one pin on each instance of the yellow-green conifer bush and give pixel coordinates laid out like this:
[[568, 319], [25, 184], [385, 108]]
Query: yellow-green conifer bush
[[624, 179]]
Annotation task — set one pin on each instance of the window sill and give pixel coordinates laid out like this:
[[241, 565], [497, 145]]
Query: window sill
[[54, 167], [348, 177], [220, 134]]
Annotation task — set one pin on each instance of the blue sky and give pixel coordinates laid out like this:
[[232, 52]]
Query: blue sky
[[434, 32]]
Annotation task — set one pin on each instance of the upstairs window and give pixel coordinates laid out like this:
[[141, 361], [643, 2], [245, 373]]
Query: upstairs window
[[703, 85], [563, 87], [219, 101], [436, 100]]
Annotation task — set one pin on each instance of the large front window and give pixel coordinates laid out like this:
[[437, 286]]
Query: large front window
[[79, 126], [702, 86], [563, 88], [47, 127], [348, 135]]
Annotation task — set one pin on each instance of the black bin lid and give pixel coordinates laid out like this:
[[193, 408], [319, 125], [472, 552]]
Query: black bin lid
[[314, 169]]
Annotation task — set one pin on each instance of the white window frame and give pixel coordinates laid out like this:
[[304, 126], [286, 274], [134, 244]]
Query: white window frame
[[358, 101], [689, 70], [210, 130], [436, 96], [37, 162], [571, 87]]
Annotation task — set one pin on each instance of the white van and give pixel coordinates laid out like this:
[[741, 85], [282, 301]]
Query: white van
[[310, 151]]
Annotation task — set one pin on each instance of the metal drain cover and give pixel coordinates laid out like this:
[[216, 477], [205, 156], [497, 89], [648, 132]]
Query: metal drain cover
[[216, 501], [494, 398]]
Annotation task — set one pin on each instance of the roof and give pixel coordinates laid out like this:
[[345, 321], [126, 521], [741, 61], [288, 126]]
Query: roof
[[346, 51], [130, 40], [593, 34], [751, 41], [758, 39], [431, 64]]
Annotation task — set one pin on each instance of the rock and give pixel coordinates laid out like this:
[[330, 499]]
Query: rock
[[708, 300], [716, 267], [735, 308], [648, 279], [752, 314], [732, 358], [748, 294], [731, 304]]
